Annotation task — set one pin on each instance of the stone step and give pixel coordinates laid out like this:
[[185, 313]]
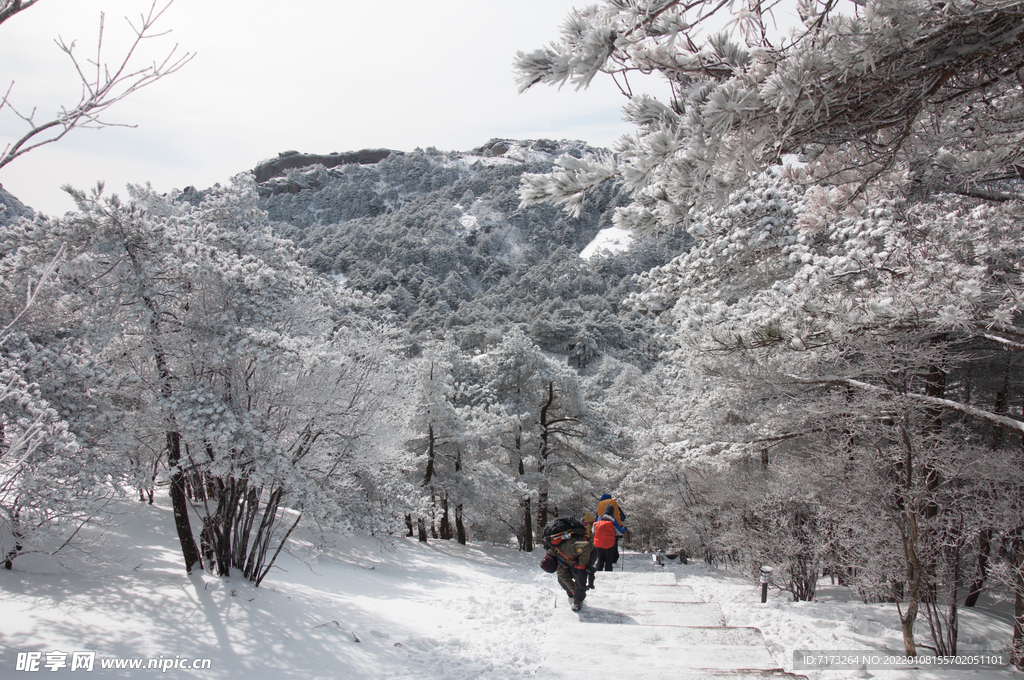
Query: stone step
[[637, 577], [659, 591], [642, 625], [666, 648], [625, 609], [648, 594]]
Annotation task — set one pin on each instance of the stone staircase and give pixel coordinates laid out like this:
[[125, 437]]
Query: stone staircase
[[645, 626]]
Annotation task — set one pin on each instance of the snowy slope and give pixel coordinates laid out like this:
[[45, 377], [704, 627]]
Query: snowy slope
[[608, 242], [369, 609], [360, 609]]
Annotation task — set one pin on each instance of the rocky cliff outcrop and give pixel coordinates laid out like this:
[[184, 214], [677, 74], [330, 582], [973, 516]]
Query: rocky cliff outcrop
[[288, 160]]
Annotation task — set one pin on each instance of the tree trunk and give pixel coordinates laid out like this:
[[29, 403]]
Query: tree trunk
[[249, 499], [189, 549], [422, 529], [446, 523], [460, 527], [1002, 397], [14, 552], [527, 541], [935, 386], [909, 535], [179, 503], [433, 515], [264, 534], [428, 475], [1017, 654], [542, 458], [981, 573]]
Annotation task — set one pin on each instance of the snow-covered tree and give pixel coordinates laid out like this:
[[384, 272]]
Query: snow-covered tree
[[270, 394], [534, 419], [921, 96], [53, 479], [440, 429], [832, 318]]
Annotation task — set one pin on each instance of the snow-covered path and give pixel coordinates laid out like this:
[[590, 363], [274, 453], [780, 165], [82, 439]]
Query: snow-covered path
[[360, 608], [646, 625]]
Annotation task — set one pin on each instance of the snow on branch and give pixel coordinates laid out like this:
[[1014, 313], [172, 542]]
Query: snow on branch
[[568, 183], [8, 8], [908, 95], [949, 404]]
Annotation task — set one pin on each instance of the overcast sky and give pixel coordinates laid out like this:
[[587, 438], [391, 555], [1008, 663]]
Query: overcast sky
[[313, 75]]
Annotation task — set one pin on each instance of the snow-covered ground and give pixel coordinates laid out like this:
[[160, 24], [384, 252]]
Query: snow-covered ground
[[608, 241], [364, 608], [837, 621]]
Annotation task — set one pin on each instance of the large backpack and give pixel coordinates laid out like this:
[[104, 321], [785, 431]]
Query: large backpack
[[604, 534], [557, 529]]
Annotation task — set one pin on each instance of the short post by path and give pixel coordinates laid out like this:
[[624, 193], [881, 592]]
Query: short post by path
[[766, 577]]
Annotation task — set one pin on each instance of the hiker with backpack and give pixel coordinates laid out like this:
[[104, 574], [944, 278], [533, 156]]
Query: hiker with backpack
[[570, 554], [588, 522], [606, 536], [609, 506]]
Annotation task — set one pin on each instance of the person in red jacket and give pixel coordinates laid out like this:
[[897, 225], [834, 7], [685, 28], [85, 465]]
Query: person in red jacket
[[606, 532]]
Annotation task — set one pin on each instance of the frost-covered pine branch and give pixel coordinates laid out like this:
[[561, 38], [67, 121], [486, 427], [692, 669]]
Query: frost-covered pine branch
[[904, 96]]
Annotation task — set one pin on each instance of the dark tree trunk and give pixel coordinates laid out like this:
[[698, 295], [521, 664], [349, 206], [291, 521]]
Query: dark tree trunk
[[984, 550], [460, 527], [16, 550], [446, 523], [935, 386], [542, 458], [433, 515], [1017, 654], [1002, 398], [179, 504], [428, 475], [254, 564], [423, 530], [527, 533]]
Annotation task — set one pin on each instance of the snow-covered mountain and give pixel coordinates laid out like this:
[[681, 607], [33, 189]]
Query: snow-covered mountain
[[442, 237]]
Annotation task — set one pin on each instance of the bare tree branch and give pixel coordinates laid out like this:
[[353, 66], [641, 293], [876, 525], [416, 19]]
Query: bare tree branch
[[99, 91]]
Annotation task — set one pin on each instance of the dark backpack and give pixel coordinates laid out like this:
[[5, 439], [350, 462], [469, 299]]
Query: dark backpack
[[554, 531]]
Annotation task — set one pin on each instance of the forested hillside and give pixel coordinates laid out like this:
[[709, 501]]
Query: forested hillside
[[11, 208], [442, 237]]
